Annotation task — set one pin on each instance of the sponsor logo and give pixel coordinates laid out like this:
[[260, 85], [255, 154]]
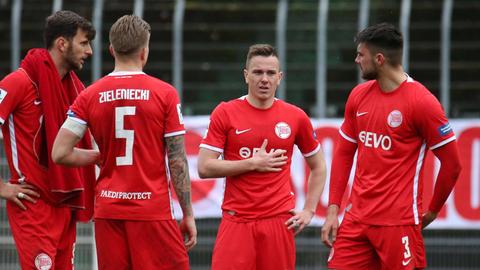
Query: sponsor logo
[[406, 262], [246, 152], [361, 113], [238, 132], [179, 112], [374, 140], [445, 129], [43, 262], [3, 94], [395, 119], [283, 130], [126, 195]]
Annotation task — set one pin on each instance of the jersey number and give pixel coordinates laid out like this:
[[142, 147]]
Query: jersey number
[[121, 133], [407, 253]]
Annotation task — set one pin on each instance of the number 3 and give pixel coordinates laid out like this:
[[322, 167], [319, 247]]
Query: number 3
[[406, 254], [121, 133]]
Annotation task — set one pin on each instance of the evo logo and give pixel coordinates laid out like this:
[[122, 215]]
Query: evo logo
[[374, 140]]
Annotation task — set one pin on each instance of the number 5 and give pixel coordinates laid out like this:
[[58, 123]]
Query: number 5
[[121, 133]]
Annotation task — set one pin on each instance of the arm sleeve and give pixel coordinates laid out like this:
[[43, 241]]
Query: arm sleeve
[[349, 127], [431, 122], [78, 110], [174, 118], [216, 133], [340, 172], [343, 154], [305, 138], [447, 176], [12, 90]]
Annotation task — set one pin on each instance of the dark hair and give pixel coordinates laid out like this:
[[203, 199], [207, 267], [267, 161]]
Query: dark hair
[[65, 23], [384, 38], [260, 50], [129, 34]]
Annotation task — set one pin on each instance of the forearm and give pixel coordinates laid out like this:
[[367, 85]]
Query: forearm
[[315, 186], [178, 165], [80, 157], [215, 168]]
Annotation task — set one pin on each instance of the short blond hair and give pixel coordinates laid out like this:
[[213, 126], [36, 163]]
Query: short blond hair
[[129, 34]]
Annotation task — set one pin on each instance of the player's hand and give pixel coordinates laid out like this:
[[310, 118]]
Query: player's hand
[[299, 220], [330, 227], [17, 193], [189, 231], [269, 161], [428, 218]]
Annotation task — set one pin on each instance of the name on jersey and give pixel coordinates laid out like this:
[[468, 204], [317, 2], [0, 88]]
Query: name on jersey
[[124, 94], [374, 140], [126, 195]]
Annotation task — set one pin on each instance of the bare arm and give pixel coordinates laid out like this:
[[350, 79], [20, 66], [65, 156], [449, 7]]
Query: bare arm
[[65, 153], [316, 183], [178, 165], [209, 166]]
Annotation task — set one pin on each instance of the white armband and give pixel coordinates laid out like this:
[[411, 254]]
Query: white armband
[[75, 127]]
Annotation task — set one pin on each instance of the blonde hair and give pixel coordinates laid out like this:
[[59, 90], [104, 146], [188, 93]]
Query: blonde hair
[[129, 34]]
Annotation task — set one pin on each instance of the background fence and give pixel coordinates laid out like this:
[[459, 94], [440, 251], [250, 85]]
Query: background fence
[[200, 47]]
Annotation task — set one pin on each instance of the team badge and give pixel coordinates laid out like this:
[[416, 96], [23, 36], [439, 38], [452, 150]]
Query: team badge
[[43, 262], [283, 130], [395, 119]]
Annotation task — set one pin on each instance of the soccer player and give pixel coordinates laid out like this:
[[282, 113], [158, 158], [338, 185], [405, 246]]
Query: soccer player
[[135, 120], [255, 134], [391, 120], [41, 196]]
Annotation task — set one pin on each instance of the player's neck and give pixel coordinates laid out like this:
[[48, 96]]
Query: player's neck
[[128, 66], [260, 104], [390, 79]]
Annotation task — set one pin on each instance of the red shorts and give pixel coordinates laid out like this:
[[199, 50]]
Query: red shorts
[[248, 245], [44, 235], [140, 245], [360, 246]]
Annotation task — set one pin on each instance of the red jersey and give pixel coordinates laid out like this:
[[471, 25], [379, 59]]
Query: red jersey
[[129, 115], [237, 130], [21, 115], [393, 132]]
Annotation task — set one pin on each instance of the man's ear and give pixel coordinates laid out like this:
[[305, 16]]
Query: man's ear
[[110, 49], [61, 44], [379, 59], [245, 73]]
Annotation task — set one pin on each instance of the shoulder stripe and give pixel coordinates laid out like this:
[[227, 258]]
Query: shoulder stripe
[[442, 143], [313, 152], [176, 133], [213, 148], [346, 137]]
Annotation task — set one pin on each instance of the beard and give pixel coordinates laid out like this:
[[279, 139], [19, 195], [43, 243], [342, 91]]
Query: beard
[[369, 74], [70, 59]]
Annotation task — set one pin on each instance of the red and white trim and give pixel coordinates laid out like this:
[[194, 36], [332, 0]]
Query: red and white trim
[[421, 157], [213, 148]]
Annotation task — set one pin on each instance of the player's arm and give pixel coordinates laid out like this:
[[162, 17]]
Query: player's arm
[[210, 166], [447, 177], [316, 183], [64, 151], [178, 165], [339, 175]]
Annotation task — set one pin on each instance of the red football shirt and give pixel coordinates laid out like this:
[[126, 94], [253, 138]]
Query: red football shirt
[[129, 115], [237, 130], [393, 132], [21, 114]]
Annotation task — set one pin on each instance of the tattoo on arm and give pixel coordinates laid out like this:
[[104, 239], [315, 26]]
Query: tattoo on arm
[[178, 165]]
